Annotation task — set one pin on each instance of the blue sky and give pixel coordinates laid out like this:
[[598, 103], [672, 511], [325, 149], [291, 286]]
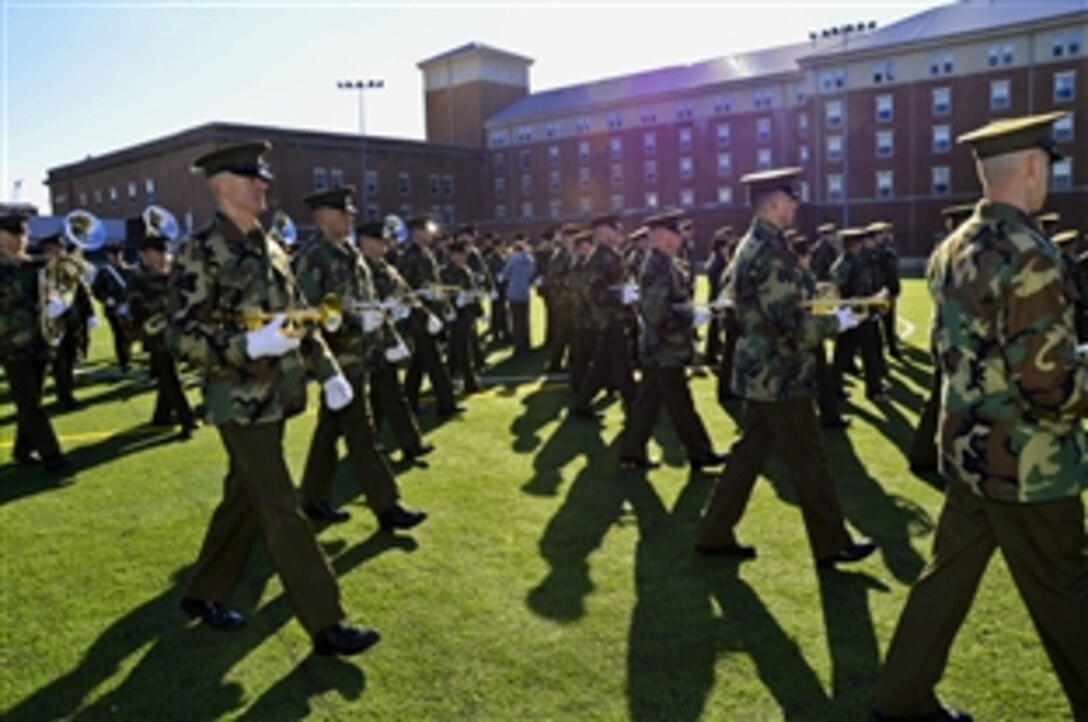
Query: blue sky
[[79, 78]]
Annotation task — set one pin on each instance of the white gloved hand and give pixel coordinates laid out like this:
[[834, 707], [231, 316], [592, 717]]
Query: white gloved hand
[[434, 325], [1082, 352], [372, 320], [428, 294], [462, 299], [846, 318], [338, 393], [269, 341], [493, 295], [401, 312], [92, 323], [700, 317], [55, 308], [538, 282], [111, 302], [123, 310], [629, 294], [451, 315], [396, 354]]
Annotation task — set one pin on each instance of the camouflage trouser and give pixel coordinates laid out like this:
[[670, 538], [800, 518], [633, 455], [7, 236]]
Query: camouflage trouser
[[1043, 545]]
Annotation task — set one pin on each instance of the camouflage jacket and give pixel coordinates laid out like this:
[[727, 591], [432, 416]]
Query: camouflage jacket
[[218, 274], [581, 307], [557, 275], [856, 275], [665, 312], [496, 260], [147, 293], [110, 285], [418, 266], [325, 267], [604, 274], [886, 269], [824, 256], [462, 277], [20, 313], [634, 260], [388, 283], [774, 359], [480, 269], [1014, 398], [715, 269]]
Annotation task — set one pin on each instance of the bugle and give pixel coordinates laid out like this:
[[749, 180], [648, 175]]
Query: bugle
[[827, 306], [329, 316]]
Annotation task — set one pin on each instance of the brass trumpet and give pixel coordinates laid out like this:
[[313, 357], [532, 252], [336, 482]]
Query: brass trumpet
[[827, 306], [329, 316]]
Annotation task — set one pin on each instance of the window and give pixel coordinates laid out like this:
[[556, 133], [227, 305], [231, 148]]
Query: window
[[723, 135], [553, 181], [805, 191], [497, 138], [526, 184], [651, 199], [583, 151], [723, 105], [97, 195], [61, 199], [581, 125], [404, 184], [1064, 85], [687, 197], [834, 148], [1065, 44], [800, 92], [1063, 129], [884, 183], [648, 116], [725, 165], [684, 139], [1000, 94], [802, 124], [834, 187], [336, 177], [500, 212], [885, 108], [405, 210], [687, 168], [615, 121], [942, 64], [131, 189], [617, 174], [684, 111], [942, 139], [435, 183], [82, 198], [525, 133], [942, 101], [650, 169], [833, 110], [763, 159], [1007, 54], [500, 187], [447, 215], [617, 203], [884, 143], [553, 155], [113, 194], [1061, 174], [725, 195], [762, 99], [321, 179], [372, 179], [585, 205], [447, 184], [526, 159], [884, 72], [649, 143], [763, 130], [498, 163], [583, 177], [527, 209], [149, 187], [1000, 55], [832, 80], [802, 155], [615, 148], [551, 130], [373, 213], [555, 208], [941, 180]]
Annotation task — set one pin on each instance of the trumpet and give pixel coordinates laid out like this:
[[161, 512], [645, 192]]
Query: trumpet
[[329, 316]]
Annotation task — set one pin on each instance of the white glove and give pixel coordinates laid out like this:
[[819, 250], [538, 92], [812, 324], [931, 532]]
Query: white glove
[[462, 299], [123, 310], [434, 325], [1082, 351], [629, 294], [396, 354], [111, 302], [451, 315], [338, 393], [401, 312], [846, 318], [538, 282], [92, 323], [428, 294], [700, 317], [55, 308], [372, 320], [268, 341], [493, 295]]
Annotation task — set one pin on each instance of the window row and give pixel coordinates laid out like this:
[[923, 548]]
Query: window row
[[940, 181], [132, 187], [325, 179]]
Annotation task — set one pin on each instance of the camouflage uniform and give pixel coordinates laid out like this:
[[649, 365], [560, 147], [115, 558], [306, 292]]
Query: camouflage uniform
[[420, 270], [1013, 449], [110, 287], [855, 276], [887, 267], [463, 358], [147, 289], [217, 274], [824, 255], [74, 343], [666, 347], [495, 258], [558, 284], [585, 330], [715, 269], [24, 353], [325, 267], [775, 372], [610, 364]]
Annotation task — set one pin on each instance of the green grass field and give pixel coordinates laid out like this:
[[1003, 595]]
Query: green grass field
[[547, 584]]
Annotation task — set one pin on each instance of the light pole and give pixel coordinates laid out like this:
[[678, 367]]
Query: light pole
[[360, 87]]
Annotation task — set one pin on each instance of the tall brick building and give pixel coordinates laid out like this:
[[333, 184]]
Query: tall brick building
[[870, 113]]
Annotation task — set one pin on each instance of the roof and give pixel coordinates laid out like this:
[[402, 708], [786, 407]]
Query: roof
[[961, 18], [651, 83], [475, 47]]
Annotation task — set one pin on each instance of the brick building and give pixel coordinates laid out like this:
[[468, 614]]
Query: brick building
[[870, 113]]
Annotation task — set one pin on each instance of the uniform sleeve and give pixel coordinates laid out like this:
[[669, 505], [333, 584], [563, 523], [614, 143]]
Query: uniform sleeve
[[309, 277], [780, 296], [1040, 340], [655, 297]]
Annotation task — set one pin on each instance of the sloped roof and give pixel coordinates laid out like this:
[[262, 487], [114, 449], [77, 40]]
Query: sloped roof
[[961, 18], [475, 47], [609, 92]]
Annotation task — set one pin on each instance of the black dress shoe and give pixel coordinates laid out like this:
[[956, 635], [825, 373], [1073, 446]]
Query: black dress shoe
[[214, 614], [27, 459], [714, 459], [398, 517], [345, 640], [55, 463], [423, 450], [944, 714], [637, 462], [585, 412], [855, 551], [839, 423], [451, 411], [736, 551], [325, 511]]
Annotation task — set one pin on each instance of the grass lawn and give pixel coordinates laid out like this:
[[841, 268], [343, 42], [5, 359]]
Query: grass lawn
[[547, 584]]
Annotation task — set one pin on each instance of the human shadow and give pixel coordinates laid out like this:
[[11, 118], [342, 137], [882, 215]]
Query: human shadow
[[299, 694], [541, 407]]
